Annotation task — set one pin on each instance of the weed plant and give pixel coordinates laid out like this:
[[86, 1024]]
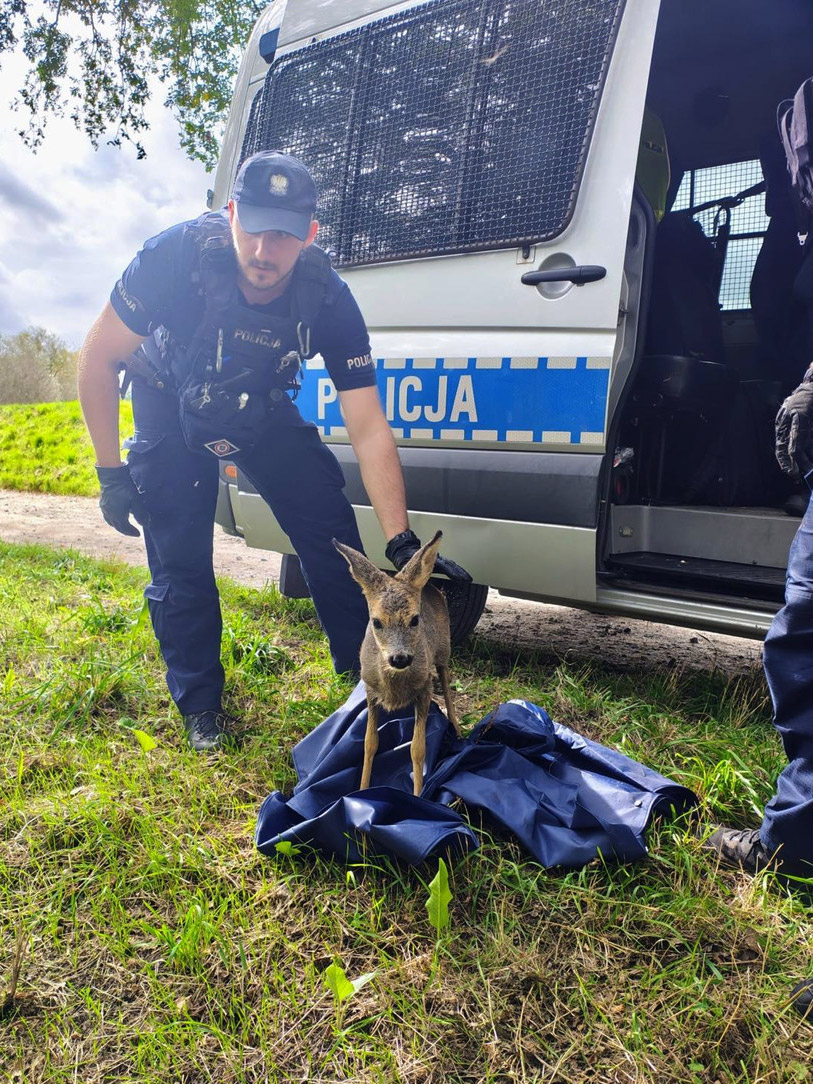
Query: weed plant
[[143, 940]]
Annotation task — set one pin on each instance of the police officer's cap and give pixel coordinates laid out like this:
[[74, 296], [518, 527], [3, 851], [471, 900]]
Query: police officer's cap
[[274, 191]]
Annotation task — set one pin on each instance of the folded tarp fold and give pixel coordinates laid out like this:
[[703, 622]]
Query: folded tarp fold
[[566, 798]]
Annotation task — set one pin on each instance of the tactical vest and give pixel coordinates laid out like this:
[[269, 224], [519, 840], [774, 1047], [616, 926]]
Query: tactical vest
[[240, 362]]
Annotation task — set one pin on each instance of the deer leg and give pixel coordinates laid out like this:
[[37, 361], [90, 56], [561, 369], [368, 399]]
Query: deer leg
[[418, 746], [370, 742], [443, 674]]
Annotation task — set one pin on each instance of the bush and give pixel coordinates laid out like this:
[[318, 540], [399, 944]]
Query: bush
[[36, 367]]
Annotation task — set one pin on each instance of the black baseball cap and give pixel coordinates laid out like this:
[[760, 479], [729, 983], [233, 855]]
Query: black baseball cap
[[274, 191]]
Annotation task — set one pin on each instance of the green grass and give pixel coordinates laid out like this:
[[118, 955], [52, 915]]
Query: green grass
[[144, 940], [45, 448]]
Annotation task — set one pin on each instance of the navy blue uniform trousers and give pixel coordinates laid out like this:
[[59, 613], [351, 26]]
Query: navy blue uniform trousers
[[788, 661], [301, 481]]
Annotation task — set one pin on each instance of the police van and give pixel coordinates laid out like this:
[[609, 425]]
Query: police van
[[569, 227]]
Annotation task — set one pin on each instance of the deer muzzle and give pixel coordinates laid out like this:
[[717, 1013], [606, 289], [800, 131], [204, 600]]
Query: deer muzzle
[[400, 662]]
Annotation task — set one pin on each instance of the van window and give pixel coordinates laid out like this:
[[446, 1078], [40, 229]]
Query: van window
[[448, 127], [748, 222]]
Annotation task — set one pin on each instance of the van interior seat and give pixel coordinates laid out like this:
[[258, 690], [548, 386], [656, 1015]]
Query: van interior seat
[[687, 383], [684, 312], [683, 380]]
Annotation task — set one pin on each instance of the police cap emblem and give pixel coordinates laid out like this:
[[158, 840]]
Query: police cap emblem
[[278, 184]]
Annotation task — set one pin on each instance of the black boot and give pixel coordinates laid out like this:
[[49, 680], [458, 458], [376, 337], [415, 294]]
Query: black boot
[[740, 847], [802, 998], [208, 731]]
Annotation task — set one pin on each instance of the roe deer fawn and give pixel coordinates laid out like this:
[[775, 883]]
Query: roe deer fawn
[[406, 641]]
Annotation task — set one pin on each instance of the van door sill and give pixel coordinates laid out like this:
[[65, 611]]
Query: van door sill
[[698, 574]]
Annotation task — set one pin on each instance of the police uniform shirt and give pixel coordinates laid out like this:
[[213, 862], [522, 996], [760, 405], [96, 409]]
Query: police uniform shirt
[[157, 290]]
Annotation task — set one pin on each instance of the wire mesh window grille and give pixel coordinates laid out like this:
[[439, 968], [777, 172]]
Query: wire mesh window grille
[[748, 222], [450, 127]]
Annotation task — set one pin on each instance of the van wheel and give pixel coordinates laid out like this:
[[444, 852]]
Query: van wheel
[[466, 602]]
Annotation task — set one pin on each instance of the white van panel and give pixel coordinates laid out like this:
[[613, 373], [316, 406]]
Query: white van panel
[[534, 558], [307, 20], [484, 289]]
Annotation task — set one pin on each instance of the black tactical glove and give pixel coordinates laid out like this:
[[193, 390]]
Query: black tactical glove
[[794, 430], [120, 498], [405, 545]]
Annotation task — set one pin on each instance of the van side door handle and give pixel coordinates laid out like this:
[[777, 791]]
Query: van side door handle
[[579, 275]]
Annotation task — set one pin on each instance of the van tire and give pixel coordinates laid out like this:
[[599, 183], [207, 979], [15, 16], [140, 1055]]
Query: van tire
[[292, 584], [466, 602]]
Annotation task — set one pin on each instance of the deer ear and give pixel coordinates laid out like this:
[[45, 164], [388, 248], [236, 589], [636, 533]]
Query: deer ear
[[421, 565], [364, 572]]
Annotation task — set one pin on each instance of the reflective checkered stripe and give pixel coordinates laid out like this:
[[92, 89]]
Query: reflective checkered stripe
[[509, 400]]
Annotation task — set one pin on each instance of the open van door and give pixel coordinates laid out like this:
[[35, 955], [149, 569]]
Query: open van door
[[475, 161]]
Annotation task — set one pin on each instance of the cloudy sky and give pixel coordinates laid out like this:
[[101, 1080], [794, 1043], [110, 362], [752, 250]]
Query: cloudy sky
[[73, 217]]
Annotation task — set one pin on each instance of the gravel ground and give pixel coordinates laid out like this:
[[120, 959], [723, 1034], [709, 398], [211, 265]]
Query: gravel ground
[[569, 634]]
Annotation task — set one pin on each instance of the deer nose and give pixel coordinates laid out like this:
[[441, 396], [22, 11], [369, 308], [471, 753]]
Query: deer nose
[[400, 662]]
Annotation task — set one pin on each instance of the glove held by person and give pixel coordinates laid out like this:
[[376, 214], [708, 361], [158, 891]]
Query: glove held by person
[[120, 498], [794, 430], [406, 544]]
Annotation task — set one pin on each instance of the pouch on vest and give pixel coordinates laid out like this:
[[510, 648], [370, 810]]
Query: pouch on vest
[[227, 407], [222, 421]]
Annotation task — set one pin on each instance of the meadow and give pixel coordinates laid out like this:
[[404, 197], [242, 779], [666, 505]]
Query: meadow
[[45, 448], [144, 940]]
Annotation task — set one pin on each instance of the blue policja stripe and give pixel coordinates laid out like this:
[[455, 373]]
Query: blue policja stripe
[[502, 395]]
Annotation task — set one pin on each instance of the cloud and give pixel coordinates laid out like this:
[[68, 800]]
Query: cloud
[[65, 240], [18, 194], [11, 319]]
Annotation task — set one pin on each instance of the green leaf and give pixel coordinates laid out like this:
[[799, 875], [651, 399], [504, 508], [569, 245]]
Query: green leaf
[[338, 983], [141, 620], [146, 742], [286, 847], [440, 897], [362, 980]]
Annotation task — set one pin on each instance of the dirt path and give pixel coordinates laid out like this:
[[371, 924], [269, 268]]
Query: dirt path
[[569, 634]]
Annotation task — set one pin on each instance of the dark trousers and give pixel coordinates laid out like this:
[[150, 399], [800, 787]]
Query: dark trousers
[[301, 481], [788, 661]]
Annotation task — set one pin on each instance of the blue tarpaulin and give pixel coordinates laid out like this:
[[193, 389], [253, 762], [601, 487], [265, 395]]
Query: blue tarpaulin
[[566, 799]]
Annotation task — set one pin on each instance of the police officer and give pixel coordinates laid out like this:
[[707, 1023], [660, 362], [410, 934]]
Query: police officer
[[784, 840], [213, 317]]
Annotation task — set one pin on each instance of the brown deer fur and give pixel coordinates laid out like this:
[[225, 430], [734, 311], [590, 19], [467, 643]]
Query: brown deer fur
[[406, 643]]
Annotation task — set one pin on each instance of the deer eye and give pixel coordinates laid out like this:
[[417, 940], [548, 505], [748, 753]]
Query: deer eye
[[415, 620], [377, 623]]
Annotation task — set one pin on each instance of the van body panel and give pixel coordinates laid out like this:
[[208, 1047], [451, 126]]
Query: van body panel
[[307, 21], [475, 541], [539, 487]]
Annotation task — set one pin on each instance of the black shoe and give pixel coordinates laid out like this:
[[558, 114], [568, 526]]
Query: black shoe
[[801, 997], [207, 731], [739, 847]]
